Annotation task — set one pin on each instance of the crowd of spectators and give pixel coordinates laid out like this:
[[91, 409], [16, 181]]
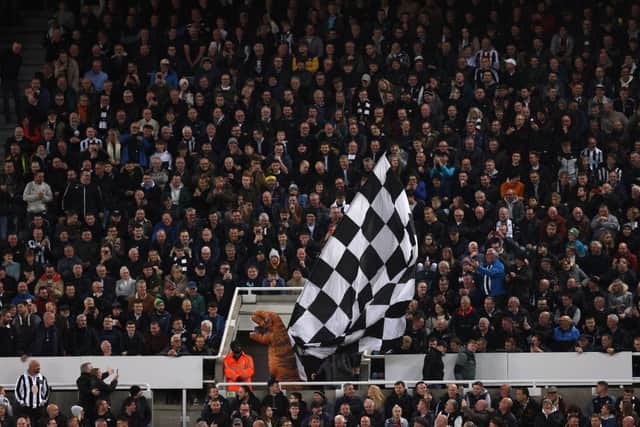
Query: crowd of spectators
[[450, 406], [33, 406], [171, 151]]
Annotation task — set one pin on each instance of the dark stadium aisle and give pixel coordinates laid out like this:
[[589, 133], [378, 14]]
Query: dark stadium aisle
[[169, 415], [30, 32]]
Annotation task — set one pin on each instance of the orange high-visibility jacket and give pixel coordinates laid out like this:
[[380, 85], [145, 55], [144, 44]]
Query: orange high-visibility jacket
[[240, 370]]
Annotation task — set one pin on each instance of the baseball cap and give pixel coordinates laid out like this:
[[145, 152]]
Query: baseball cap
[[366, 77], [134, 390], [192, 285], [164, 61], [511, 61], [200, 265], [237, 422], [552, 389]]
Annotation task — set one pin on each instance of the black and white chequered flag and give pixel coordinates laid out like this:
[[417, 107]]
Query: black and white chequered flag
[[359, 288]]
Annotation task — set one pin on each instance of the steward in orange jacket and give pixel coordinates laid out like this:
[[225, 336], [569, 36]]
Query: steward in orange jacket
[[238, 366]]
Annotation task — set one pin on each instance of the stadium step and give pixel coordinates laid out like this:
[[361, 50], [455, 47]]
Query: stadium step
[[30, 31], [167, 415]]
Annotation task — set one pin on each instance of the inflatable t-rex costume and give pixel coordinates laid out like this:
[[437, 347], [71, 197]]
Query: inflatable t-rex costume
[[272, 332]]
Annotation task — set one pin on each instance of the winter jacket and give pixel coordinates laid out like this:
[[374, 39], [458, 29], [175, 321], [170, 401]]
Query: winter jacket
[[465, 368], [491, 279], [554, 419], [31, 195], [82, 198], [241, 369], [433, 368]]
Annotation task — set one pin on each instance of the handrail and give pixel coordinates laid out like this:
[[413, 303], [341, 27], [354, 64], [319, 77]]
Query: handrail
[[532, 382], [269, 290], [234, 302], [70, 387], [369, 355]]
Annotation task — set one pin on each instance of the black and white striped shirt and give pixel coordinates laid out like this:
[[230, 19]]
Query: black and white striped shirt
[[84, 144], [32, 391], [595, 156], [603, 174]]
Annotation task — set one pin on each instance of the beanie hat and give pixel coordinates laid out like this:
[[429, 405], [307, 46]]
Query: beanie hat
[[274, 253]]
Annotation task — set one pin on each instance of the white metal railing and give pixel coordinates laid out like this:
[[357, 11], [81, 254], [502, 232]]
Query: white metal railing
[[72, 387], [235, 306], [410, 383]]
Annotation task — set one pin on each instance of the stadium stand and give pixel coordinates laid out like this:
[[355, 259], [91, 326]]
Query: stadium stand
[[168, 152]]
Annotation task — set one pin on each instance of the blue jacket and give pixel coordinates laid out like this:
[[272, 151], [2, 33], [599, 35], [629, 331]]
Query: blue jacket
[[279, 283], [581, 248], [564, 336], [137, 154], [172, 232], [421, 191], [171, 78], [491, 278], [22, 297]]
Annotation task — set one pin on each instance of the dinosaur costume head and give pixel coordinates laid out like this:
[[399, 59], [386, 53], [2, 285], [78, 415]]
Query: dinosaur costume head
[[271, 331], [266, 321]]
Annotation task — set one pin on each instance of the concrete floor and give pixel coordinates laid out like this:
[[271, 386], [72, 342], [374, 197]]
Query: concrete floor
[[169, 415]]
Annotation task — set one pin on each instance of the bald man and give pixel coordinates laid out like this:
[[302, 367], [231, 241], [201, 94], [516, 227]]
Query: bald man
[[32, 393], [47, 340], [628, 422], [441, 421]]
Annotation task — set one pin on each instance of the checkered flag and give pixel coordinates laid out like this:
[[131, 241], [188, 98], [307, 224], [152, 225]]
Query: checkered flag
[[358, 291]]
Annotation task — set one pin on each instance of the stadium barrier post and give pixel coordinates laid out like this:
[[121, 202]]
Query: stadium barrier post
[[184, 419]]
